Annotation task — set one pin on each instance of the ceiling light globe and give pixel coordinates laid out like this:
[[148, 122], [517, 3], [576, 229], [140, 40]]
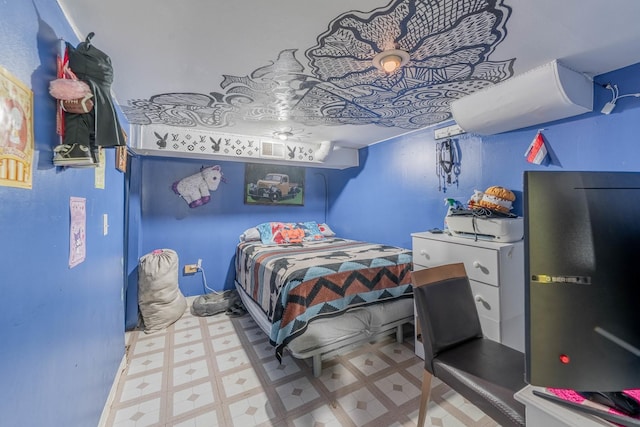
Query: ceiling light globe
[[282, 135], [391, 63]]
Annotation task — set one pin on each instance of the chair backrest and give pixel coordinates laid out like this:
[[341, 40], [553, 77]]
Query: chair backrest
[[446, 309]]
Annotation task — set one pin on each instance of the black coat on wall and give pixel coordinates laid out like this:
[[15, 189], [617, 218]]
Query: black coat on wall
[[100, 127]]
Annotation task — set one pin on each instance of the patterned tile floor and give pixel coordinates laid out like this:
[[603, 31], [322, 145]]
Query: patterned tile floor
[[221, 371]]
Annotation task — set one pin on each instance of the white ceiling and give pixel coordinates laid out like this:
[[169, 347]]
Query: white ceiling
[[252, 67]]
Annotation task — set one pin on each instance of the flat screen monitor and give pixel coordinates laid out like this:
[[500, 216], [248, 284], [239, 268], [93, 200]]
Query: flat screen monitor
[[582, 284]]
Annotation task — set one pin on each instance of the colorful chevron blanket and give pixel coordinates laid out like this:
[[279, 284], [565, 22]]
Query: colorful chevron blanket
[[296, 283]]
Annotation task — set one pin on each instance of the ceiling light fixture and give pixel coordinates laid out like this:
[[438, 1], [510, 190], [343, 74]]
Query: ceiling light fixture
[[282, 135], [390, 60]]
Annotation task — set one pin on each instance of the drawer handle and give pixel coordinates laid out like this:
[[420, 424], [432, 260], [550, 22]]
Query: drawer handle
[[485, 303], [482, 268], [424, 253]]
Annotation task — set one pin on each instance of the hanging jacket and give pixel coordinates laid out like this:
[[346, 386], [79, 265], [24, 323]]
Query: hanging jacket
[[100, 127]]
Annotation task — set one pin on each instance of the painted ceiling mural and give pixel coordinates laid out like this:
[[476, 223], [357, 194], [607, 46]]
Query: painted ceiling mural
[[449, 42]]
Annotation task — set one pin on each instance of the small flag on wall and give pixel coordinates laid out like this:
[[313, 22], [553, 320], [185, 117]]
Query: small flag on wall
[[537, 151]]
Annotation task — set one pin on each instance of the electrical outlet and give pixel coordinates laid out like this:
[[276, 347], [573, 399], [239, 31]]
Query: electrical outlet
[[199, 265], [190, 268]]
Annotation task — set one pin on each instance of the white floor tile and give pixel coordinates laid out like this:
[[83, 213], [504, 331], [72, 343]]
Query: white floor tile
[[240, 382], [276, 370], [209, 419], [146, 363], [187, 335], [397, 352], [368, 363], [362, 406], [337, 376], [188, 352], [149, 343], [185, 322], [141, 386], [232, 360], [397, 388], [225, 343], [221, 327], [190, 372], [297, 393], [322, 416], [192, 398], [251, 411], [143, 414]]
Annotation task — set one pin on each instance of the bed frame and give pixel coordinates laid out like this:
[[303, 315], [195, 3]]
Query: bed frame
[[340, 346]]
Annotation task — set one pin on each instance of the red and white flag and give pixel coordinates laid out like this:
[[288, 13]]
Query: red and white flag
[[537, 151]]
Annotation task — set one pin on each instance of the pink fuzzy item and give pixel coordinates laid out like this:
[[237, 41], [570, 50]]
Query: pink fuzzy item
[[67, 89]]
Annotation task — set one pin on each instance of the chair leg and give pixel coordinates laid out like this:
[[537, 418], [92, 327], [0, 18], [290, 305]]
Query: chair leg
[[424, 398]]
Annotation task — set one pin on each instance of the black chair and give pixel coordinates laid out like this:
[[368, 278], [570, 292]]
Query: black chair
[[483, 371]]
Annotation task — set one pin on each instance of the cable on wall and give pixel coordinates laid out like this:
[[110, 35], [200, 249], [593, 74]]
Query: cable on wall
[[204, 282], [447, 164], [615, 96]]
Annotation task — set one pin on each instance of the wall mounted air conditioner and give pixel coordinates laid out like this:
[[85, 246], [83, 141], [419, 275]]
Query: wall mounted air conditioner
[[543, 94]]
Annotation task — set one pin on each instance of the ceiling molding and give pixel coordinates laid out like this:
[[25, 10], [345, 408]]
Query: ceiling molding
[[169, 141]]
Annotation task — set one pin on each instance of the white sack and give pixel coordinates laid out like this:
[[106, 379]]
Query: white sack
[[159, 298]]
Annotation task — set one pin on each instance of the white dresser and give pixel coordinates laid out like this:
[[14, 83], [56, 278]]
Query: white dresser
[[496, 273]]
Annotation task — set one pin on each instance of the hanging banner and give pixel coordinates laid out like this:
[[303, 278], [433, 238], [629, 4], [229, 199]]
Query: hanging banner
[[537, 151]]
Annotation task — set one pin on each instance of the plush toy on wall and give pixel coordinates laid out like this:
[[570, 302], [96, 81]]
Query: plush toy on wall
[[195, 188]]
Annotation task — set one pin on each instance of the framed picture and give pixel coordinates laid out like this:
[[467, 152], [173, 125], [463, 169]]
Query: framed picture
[[273, 185], [16, 132]]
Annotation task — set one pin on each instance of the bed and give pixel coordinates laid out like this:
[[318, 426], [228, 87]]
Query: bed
[[317, 295]]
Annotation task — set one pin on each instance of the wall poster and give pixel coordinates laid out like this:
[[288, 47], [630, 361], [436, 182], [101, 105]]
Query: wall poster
[[16, 132], [77, 230], [273, 185]]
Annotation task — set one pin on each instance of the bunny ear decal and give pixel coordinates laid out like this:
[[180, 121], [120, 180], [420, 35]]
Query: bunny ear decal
[[162, 140]]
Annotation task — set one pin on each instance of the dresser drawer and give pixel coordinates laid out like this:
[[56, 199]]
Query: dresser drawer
[[481, 263], [490, 329], [487, 300]]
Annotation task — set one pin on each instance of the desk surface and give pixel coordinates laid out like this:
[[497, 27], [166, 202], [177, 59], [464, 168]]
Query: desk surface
[[543, 413]]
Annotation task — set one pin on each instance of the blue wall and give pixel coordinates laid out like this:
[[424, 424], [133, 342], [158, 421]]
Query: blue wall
[[211, 231], [61, 329]]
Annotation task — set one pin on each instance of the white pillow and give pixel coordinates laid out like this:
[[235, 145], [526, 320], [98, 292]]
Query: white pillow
[[326, 230], [250, 234]]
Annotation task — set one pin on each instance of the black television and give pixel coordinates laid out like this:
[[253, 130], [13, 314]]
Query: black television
[[582, 279]]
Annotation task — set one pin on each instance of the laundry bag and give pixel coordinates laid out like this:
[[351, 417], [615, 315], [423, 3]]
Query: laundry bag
[[159, 298]]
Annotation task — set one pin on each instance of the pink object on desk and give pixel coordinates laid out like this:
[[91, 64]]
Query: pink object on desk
[[572, 396]]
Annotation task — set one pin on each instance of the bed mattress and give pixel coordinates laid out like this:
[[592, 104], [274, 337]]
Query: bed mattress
[[294, 287]]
